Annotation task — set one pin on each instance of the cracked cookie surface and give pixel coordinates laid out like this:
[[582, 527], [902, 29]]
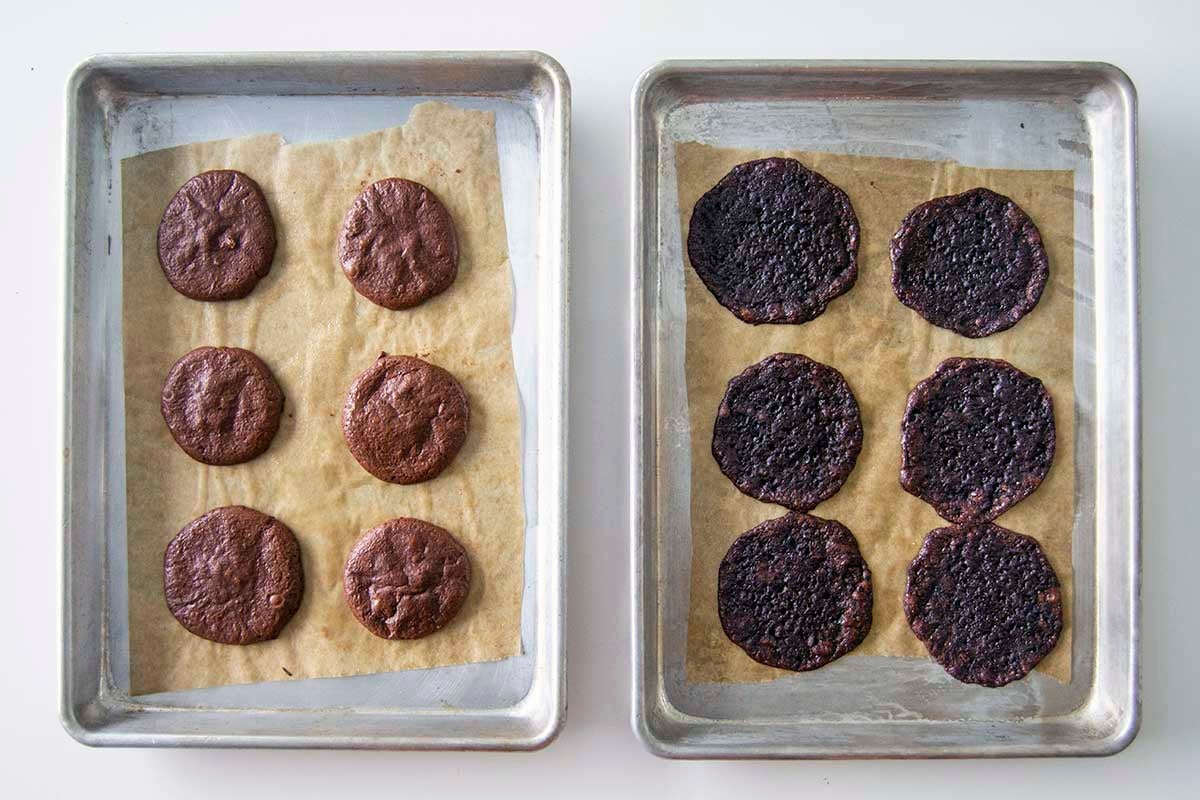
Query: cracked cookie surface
[[406, 579], [222, 405], [398, 245], [405, 419], [216, 239], [233, 576]]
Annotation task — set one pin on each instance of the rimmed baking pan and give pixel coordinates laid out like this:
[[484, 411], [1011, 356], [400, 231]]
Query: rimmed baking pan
[[1075, 117], [121, 106]]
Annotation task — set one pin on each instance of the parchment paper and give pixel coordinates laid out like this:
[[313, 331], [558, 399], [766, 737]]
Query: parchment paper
[[316, 333], [882, 348]]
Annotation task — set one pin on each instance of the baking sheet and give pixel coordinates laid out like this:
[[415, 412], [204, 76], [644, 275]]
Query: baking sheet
[[316, 334], [882, 348]]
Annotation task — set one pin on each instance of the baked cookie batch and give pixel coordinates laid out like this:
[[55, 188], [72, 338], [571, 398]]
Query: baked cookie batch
[[234, 574], [775, 242]]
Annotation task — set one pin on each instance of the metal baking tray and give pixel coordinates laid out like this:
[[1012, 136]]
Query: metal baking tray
[[119, 106], [1003, 114]]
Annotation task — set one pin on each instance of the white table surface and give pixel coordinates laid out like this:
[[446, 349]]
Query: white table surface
[[603, 46]]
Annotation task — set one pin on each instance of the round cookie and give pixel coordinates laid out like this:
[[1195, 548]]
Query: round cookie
[[774, 241], [977, 437], [985, 601], [222, 405], [233, 576], [795, 592], [972, 263], [788, 431], [216, 239], [404, 419], [398, 246], [406, 578]]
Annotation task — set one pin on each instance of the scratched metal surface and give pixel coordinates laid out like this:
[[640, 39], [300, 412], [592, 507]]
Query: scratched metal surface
[[122, 106], [1075, 116]]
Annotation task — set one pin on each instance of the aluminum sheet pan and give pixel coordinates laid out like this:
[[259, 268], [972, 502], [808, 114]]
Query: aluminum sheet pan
[[1076, 116], [118, 106]]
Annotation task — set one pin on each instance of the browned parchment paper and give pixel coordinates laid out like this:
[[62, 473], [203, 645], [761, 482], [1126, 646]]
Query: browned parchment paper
[[305, 320], [882, 348]]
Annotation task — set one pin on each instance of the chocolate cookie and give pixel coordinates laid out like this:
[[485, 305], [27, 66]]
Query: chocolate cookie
[[977, 436], [795, 593], [406, 579], [398, 245], [985, 601], [774, 241], [222, 405], [233, 576], [217, 237], [788, 431], [972, 263], [404, 420]]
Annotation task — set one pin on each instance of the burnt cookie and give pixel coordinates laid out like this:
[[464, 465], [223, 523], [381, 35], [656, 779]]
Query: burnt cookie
[[404, 419], [398, 246], [406, 579], [985, 601], [977, 437], [795, 592], [774, 241], [222, 405], [973, 263], [788, 431], [233, 576], [216, 239]]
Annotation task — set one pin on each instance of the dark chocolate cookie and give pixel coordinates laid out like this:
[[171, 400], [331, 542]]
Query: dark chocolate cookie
[[774, 241], [222, 405], [795, 592], [972, 263], [217, 237], [788, 431], [977, 437], [985, 601], [233, 576], [406, 579], [404, 419], [398, 245]]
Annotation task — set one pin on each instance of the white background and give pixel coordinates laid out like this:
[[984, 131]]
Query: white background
[[603, 46]]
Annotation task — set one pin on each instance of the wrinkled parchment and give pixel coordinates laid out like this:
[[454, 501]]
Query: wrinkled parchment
[[882, 348], [308, 324]]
